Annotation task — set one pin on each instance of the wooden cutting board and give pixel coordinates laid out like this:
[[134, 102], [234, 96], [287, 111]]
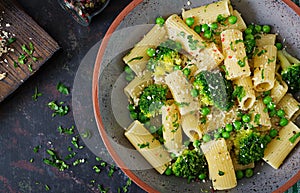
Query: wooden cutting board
[[25, 30]]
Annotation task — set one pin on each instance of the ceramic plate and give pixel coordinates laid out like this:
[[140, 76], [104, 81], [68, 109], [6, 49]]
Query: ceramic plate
[[110, 103]]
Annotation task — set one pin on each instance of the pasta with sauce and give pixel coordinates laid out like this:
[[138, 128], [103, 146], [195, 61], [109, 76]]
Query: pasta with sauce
[[207, 99]]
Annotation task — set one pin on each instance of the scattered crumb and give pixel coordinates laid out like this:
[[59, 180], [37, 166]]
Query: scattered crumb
[[2, 75]]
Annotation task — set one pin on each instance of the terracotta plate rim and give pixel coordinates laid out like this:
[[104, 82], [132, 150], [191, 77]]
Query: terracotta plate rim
[[96, 106]]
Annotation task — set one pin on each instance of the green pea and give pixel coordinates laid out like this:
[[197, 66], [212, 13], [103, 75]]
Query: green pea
[[273, 112], [267, 138], [237, 125], [249, 37], [177, 67], [186, 143], [239, 174], [159, 131], [196, 143], [280, 113], [197, 29], [152, 129], [232, 19], [271, 106], [205, 111], [194, 92], [228, 127], [128, 70], [267, 100], [151, 52], [160, 21], [129, 77], [133, 115], [273, 133], [225, 134], [251, 26], [266, 29], [249, 172], [214, 26], [147, 124], [131, 107], [189, 21], [204, 27], [283, 122], [246, 118], [206, 138], [207, 34], [142, 118], [217, 135], [168, 171], [257, 28], [202, 176], [248, 31], [220, 130], [279, 46], [186, 71]]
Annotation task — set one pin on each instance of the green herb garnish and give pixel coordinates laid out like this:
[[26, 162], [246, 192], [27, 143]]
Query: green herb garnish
[[58, 109], [68, 131], [136, 58], [143, 145], [62, 88], [36, 94], [294, 137]]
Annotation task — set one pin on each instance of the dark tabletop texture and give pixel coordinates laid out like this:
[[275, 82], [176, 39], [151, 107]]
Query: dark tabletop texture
[[25, 124]]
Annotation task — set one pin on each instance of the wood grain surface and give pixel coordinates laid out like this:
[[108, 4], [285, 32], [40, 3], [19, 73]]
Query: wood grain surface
[[25, 30]]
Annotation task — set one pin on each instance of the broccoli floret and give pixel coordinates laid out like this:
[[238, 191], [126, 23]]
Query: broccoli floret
[[291, 75], [152, 99], [166, 57], [290, 70], [214, 89], [249, 146], [190, 164]]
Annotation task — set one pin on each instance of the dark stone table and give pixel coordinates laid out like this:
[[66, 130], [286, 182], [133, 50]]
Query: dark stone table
[[26, 124]]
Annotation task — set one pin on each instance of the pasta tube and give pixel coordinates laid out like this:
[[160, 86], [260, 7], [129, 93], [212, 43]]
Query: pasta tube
[[246, 94], [235, 61], [134, 89], [278, 149], [150, 148], [279, 90], [172, 132], [137, 58], [208, 13], [264, 68], [220, 166], [289, 104], [259, 117], [265, 39], [181, 91], [190, 126], [206, 55]]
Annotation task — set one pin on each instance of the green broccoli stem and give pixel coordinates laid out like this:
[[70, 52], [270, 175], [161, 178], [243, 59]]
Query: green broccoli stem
[[290, 58], [284, 62]]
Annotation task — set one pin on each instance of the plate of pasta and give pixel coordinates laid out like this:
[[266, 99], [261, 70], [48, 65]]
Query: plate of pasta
[[204, 98]]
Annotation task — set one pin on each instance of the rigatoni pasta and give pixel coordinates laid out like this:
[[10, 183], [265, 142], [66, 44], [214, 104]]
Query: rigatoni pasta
[[264, 68], [208, 13], [236, 61], [172, 132], [206, 55], [137, 57], [209, 100], [150, 148], [219, 164], [281, 146]]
